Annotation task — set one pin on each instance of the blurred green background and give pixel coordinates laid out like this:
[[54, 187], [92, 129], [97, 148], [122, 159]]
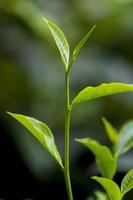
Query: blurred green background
[[32, 83]]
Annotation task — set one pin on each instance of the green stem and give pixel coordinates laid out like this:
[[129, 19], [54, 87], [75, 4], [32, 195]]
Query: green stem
[[67, 139]]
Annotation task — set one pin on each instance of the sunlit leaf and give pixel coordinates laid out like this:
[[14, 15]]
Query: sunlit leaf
[[110, 186], [104, 158], [125, 142], [80, 45], [41, 132], [127, 183], [102, 90], [60, 41], [110, 130]]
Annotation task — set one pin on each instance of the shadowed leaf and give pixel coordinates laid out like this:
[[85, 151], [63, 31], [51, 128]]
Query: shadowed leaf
[[125, 142]]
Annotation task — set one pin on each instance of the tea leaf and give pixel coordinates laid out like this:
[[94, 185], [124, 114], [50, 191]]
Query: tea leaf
[[102, 90], [127, 182], [80, 45], [104, 158], [60, 41], [41, 132], [125, 141], [110, 186], [110, 130]]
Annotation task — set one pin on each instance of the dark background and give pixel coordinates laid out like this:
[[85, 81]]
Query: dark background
[[32, 83]]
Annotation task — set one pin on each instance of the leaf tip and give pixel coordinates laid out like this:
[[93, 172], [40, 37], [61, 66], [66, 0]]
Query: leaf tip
[[14, 115], [45, 19], [9, 113], [95, 178], [93, 27], [104, 120], [77, 140]]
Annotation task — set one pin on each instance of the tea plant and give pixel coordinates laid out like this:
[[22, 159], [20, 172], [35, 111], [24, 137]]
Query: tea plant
[[107, 160], [112, 189], [44, 135]]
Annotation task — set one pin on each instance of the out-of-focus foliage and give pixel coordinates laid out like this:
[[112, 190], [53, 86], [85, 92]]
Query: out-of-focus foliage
[[107, 160], [125, 138], [113, 189], [32, 78]]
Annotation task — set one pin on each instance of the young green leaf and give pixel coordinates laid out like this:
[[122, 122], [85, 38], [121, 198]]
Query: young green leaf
[[110, 186], [110, 130], [104, 158], [60, 41], [41, 132], [104, 89], [127, 183], [125, 141], [80, 45]]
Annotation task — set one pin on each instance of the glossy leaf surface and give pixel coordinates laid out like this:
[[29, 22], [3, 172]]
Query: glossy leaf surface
[[80, 45], [60, 41], [90, 93], [110, 130], [41, 132], [127, 182], [104, 158], [125, 138], [110, 186]]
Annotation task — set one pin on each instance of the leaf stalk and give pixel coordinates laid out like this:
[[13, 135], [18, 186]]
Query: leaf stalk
[[67, 137]]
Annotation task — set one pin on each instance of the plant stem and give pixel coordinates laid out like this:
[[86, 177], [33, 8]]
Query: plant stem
[[67, 138]]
